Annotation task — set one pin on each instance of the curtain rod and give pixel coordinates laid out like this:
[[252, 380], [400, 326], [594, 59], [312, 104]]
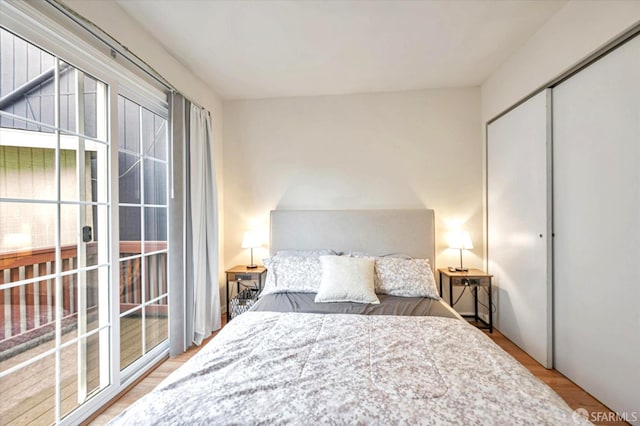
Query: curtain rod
[[115, 46]]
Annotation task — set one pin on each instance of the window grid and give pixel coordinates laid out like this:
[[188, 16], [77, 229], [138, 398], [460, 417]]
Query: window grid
[[61, 275]]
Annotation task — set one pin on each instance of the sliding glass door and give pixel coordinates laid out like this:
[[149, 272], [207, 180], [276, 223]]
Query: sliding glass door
[[54, 251], [83, 232]]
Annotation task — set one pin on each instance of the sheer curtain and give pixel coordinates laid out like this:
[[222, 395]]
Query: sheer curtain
[[202, 237]]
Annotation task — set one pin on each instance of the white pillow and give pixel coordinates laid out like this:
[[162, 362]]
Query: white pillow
[[405, 277], [347, 279], [292, 274]]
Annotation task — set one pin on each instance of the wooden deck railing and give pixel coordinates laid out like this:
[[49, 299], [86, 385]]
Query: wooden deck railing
[[27, 311]]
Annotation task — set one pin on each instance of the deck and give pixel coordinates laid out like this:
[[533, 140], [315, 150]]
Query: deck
[[28, 395]]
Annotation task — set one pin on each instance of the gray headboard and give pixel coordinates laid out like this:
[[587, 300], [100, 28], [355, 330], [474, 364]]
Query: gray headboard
[[373, 231]]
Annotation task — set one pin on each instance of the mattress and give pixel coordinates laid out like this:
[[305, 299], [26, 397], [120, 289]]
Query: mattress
[[389, 305], [305, 368]]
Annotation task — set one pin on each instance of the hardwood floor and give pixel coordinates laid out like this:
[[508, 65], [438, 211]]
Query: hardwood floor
[[573, 395], [147, 384], [570, 392]]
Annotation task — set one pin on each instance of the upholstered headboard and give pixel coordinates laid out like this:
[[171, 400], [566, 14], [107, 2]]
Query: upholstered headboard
[[373, 231]]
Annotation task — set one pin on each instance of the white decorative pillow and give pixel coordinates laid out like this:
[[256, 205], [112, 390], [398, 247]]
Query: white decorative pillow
[[405, 277], [347, 279], [292, 274]]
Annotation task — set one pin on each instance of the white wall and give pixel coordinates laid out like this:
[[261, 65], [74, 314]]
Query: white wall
[[572, 34], [412, 149], [111, 18]]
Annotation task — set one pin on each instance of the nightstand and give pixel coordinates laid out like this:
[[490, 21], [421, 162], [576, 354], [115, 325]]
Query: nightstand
[[473, 278], [240, 274]]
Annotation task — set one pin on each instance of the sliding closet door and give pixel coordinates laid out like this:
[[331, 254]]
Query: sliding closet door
[[596, 116], [519, 236]]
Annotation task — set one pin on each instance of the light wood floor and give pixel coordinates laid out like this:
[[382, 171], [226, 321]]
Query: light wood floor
[[148, 383], [571, 393]]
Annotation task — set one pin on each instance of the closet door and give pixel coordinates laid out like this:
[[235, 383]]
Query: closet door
[[596, 116], [519, 225]]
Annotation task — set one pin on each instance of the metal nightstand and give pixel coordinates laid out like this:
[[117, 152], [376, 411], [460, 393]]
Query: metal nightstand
[[473, 278], [241, 273]]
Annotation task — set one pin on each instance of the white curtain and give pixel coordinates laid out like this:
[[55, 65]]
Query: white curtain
[[204, 226]]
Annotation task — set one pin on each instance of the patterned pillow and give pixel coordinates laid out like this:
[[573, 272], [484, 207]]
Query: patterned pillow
[[292, 274], [405, 277]]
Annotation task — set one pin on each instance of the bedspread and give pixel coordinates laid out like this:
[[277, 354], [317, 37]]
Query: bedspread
[[297, 368]]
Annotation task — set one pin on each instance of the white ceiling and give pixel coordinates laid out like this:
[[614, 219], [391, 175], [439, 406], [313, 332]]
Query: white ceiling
[[261, 49]]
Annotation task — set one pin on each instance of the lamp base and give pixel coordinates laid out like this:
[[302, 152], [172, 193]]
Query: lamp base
[[252, 266], [461, 269]]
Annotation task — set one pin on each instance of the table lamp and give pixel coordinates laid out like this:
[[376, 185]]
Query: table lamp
[[251, 240], [460, 240]]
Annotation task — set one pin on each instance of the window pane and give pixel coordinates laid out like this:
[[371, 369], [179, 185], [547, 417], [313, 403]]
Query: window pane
[[92, 301], [130, 224], [75, 382], [95, 108], [129, 178], [29, 398], [155, 228], [154, 135], [27, 83], [155, 182], [27, 229], [89, 100], [130, 284], [27, 314], [129, 125], [156, 321], [68, 175], [155, 275], [130, 338], [27, 172], [67, 97]]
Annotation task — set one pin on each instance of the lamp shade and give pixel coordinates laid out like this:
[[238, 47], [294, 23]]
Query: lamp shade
[[251, 240], [460, 240]]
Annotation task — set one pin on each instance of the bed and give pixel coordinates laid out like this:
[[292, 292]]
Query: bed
[[402, 360]]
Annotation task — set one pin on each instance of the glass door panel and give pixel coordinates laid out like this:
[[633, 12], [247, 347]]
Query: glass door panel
[[54, 258], [142, 152]]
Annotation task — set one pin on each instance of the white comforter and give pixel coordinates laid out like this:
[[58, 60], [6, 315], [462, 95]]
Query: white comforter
[[293, 368]]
